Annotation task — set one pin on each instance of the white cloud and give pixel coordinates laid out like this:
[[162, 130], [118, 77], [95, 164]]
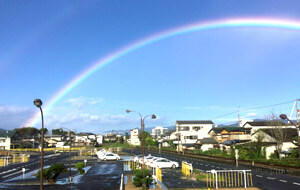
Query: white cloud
[[81, 102], [14, 116], [251, 114], [208, 108]]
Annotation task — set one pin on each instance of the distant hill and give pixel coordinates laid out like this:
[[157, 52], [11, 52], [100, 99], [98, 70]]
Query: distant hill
[[148, 129]]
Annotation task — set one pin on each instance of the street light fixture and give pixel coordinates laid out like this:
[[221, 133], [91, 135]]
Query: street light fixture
[[38, 103], [284, 117], [70, 174], [142, 141]]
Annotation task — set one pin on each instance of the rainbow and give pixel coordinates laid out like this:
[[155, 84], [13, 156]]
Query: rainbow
[[100, 63]]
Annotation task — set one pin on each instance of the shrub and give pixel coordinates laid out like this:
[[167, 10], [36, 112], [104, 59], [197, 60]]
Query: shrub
[[80, 166], [200, 176], [51, 173], [138, 179]]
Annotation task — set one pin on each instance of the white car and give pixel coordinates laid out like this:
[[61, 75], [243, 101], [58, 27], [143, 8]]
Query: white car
[[109, 156], [146, 157], [165, 163], [151, 160], [100, 152], [136, 158]]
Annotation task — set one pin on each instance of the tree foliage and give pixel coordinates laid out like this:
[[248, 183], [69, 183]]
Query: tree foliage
[[278, 132], [138, 179], [51, 173], [80, 166], [149, 141]]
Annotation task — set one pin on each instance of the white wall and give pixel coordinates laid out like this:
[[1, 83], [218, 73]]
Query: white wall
[[134, 137], [205, 147], [99, 139], [5, 143]]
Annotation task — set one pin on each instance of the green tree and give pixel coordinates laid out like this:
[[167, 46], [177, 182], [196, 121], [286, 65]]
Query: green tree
[[80, 166], [57, 132], [51, 173], [138, 178], [45, 131]]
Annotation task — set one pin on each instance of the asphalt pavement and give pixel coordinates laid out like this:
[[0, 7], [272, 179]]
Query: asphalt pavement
[[261, 179], [100, 175]]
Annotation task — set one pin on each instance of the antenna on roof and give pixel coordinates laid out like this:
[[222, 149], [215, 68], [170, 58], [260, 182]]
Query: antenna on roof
[[239, 119], [297, 111]]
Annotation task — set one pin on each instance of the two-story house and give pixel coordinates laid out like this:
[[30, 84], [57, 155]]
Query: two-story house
[[256, 125], [134, 137], [159, 132], [189, 131], [223, 134], [5, 139]]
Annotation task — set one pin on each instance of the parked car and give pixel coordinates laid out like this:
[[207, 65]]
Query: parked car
[[165, 163], [109, 156], [136, 158], [100, 152], [146, 157], [150, 160]]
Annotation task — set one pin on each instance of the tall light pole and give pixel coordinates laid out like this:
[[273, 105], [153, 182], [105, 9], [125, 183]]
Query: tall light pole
[[284, 116], [70, 174], [142, 141], [38, 103]]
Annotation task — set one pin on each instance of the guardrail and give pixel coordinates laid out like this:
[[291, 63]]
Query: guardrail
[[229, 178], [48, 149], [6, 160]]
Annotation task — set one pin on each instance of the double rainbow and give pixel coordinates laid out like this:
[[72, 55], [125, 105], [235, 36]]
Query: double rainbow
[[100, 63]]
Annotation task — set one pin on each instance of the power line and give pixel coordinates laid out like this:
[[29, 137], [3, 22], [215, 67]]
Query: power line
[[246, 109]]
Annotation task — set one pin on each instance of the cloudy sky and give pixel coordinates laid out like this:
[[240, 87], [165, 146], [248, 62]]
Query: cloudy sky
[[200, 75]]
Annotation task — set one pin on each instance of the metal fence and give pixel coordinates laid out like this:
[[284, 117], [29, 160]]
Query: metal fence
[[6, 160], [229, 178]]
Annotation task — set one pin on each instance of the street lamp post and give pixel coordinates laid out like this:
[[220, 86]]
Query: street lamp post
[[70, 174], [142, 142], [284, 117], [38, 103]]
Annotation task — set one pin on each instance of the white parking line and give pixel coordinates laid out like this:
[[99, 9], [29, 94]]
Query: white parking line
[[259, 176], [8, 171], [11, 174], [283, 181], [271, 178], [296, 183]]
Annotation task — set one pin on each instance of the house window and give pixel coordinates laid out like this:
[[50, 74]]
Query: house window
[[197, 128], [191, 137], [187, 128]]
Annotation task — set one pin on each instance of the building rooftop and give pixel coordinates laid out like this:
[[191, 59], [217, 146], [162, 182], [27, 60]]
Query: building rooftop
[[265, 123], [287, 133], [209, 140], [180, 122]]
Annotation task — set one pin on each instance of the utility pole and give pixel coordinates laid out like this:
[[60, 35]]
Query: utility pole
[[297, 111]]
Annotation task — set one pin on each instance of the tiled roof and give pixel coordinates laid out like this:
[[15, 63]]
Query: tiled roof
[[229, 129], [208, 141], [265, 123], [179, 122], [288, 133]]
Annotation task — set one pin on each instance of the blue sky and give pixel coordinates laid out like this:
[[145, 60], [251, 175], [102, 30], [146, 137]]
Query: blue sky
[[195, 76]]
